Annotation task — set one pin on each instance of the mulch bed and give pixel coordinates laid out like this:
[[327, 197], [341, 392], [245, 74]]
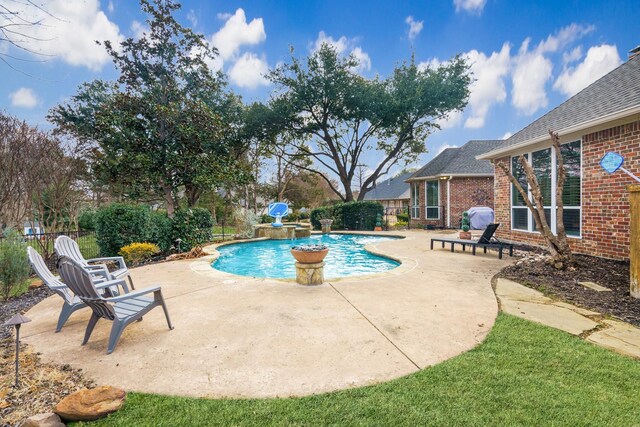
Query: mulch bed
[[535, 272]]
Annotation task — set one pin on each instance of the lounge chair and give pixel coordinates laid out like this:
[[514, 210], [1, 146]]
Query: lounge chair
[[121, 310], [66, 246], [486, 241], [71, 301]]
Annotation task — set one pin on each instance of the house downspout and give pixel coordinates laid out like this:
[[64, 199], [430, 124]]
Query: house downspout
[[449, 202]]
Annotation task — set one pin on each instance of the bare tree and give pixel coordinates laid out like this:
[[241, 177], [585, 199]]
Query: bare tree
[[561, 256]]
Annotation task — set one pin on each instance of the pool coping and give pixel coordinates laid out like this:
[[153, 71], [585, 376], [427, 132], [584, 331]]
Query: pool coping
[[203, 265]]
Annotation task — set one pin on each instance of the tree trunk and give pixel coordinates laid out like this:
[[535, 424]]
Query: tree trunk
[[169, 200]]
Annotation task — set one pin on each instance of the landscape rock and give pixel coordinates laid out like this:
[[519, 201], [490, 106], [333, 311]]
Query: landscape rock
[[43, 420], [90, 404]]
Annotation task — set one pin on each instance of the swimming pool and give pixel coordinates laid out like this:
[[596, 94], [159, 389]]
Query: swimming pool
[[271, 258]]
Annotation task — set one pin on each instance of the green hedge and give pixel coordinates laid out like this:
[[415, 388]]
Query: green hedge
[[403, 217], [120, 224], [349, 216], [193, 227]]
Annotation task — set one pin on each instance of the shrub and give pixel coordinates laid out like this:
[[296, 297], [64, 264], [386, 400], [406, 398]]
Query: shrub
[[317, 214], [193, 227], [87, 219], [120, 224], [293, 217], [136, 253], [403, 217], [360, 215], [303, 215], [160, 230], [401, 225], [14, 264], [265, 219]]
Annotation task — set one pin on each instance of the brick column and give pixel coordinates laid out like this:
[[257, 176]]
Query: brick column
[[634, 250]]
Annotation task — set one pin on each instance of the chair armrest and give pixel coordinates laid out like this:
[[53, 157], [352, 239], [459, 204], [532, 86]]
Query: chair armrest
[[108, 283], [134, 294], [118, 259]]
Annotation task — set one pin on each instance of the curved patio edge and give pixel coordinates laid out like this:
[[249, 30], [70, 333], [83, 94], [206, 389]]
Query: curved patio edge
[[243, 337]]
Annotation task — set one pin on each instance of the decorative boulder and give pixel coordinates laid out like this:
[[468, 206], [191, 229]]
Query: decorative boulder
[[90, 404], [43, 420]]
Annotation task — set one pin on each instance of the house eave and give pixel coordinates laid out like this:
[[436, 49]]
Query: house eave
[[452, 175], [500, 152]]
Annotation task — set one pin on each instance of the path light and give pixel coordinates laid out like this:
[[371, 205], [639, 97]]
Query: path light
[[16, 321]]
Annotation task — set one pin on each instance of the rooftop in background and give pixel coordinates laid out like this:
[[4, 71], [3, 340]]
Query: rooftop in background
[[459, 161], [390, 189], [613, 95]]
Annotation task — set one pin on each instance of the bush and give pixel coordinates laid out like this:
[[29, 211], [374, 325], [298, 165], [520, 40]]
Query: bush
[[160, 230], [318, 214], [265, 219], [400, 225], [303, 215], [348, 216], [87, 220], [403, 217], [14, 264], [136, 253], [292, 217], [360, 215], [193, 227], [118, 225]]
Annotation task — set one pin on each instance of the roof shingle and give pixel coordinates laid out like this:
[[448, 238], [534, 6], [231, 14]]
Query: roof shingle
[[460, 160], [390, 189]]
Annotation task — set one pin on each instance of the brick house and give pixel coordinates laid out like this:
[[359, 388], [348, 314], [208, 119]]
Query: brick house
[[450, 184], [392, 193], [604, 116]]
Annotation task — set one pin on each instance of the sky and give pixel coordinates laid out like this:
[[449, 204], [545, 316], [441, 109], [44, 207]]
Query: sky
[[527, 57]]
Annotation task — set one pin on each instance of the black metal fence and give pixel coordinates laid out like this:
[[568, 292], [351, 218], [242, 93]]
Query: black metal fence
[[43, 243], [415, 217]]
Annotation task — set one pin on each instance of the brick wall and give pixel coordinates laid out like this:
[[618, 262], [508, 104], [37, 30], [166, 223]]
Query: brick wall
[[605, 201], [465, 193]]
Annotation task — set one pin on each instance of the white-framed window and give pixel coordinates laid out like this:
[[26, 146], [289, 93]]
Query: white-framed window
[[415, 200], [432, 198], [544, 164]]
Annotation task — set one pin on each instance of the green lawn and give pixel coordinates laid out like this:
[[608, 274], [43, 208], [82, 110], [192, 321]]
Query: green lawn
[[524, 374]]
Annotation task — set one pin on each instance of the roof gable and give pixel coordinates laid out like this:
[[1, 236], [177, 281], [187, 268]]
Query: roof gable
[[460, 160], [390, 189]]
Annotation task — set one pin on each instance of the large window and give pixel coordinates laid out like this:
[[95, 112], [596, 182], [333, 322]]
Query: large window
[[433, 200], [415, 200], [544, 164]]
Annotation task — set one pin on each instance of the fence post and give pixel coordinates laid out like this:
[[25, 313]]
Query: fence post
[[634, 237]]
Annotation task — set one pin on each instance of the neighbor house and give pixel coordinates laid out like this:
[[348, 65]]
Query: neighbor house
[[450, 184], [603, 117], [392, 193]]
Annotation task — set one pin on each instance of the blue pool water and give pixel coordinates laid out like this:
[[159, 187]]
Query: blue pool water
[[271, 258]]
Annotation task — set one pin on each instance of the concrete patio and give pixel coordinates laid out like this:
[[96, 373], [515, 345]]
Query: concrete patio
[[243, 337]]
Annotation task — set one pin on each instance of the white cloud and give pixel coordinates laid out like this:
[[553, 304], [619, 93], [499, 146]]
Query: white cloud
[[488, 87], [507, 135], [343, 45], [69, 30], [598, 62], [339, 45], [471, 6], [224, 16], [138, 29], [572, 56], [565, 36], [453, 120], [236, 32], [249, 71], [414, 27], [430, 63], [192, 17], [110, 7], [531, 72], [364, 62], [24, 98]]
